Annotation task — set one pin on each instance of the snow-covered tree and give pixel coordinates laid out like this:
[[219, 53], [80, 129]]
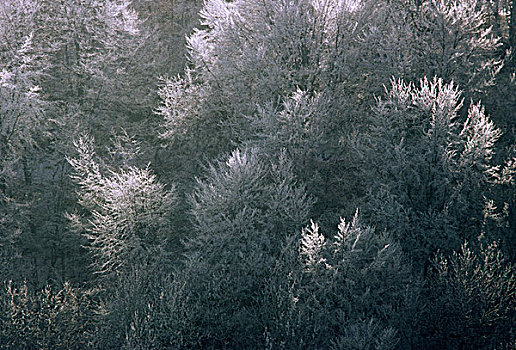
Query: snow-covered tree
[[22, 125], [252, 53], [91, 45], [353, 291], [50, 317], [456, 42]]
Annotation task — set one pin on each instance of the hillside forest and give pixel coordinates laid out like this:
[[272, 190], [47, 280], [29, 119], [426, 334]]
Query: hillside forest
[[257, 174]]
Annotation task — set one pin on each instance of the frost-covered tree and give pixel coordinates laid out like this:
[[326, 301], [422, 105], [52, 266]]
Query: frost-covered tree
[[471, 300], [306, 128], [429, 168], [250, 59], [454, 40], [125, 213], [21, 105], [261, 70], [252, 53], [91, 45], [168, 24], [23, 126], [352, 291], [243, 210], [125, 218], [457, 43], [63, 70], [21, 113], [50, 317]]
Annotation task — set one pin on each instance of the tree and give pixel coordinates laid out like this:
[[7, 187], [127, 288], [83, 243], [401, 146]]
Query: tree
[[91, 43], [353, 291], [20, 100], [259, 62], [58, 56], [22, 126], [456, 43], [471, 298], [58, 318], [168, 24], [252, 53], [243, 210], [252, 60], [429, 169], [306, 128], [126, 214]]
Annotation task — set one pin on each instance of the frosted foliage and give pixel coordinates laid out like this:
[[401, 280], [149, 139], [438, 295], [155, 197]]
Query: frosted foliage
[[20, 103], [182, 106], [128, 211], [88, 46], [125, 149], [508, 172], [456, 43], [312, 243], [251, 53], [303, 128], [366, 334], [347, 230], [249, 183], [351, 282], [433, 109], [475, 291], [353, 240], [480, 135], [432, 166], [21, 106], [120, 16], [244, 209]]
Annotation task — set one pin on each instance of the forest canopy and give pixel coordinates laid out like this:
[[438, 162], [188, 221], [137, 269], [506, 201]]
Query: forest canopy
[[257, 174]]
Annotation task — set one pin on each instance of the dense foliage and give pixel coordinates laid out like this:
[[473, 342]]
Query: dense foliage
[[278, 174]]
